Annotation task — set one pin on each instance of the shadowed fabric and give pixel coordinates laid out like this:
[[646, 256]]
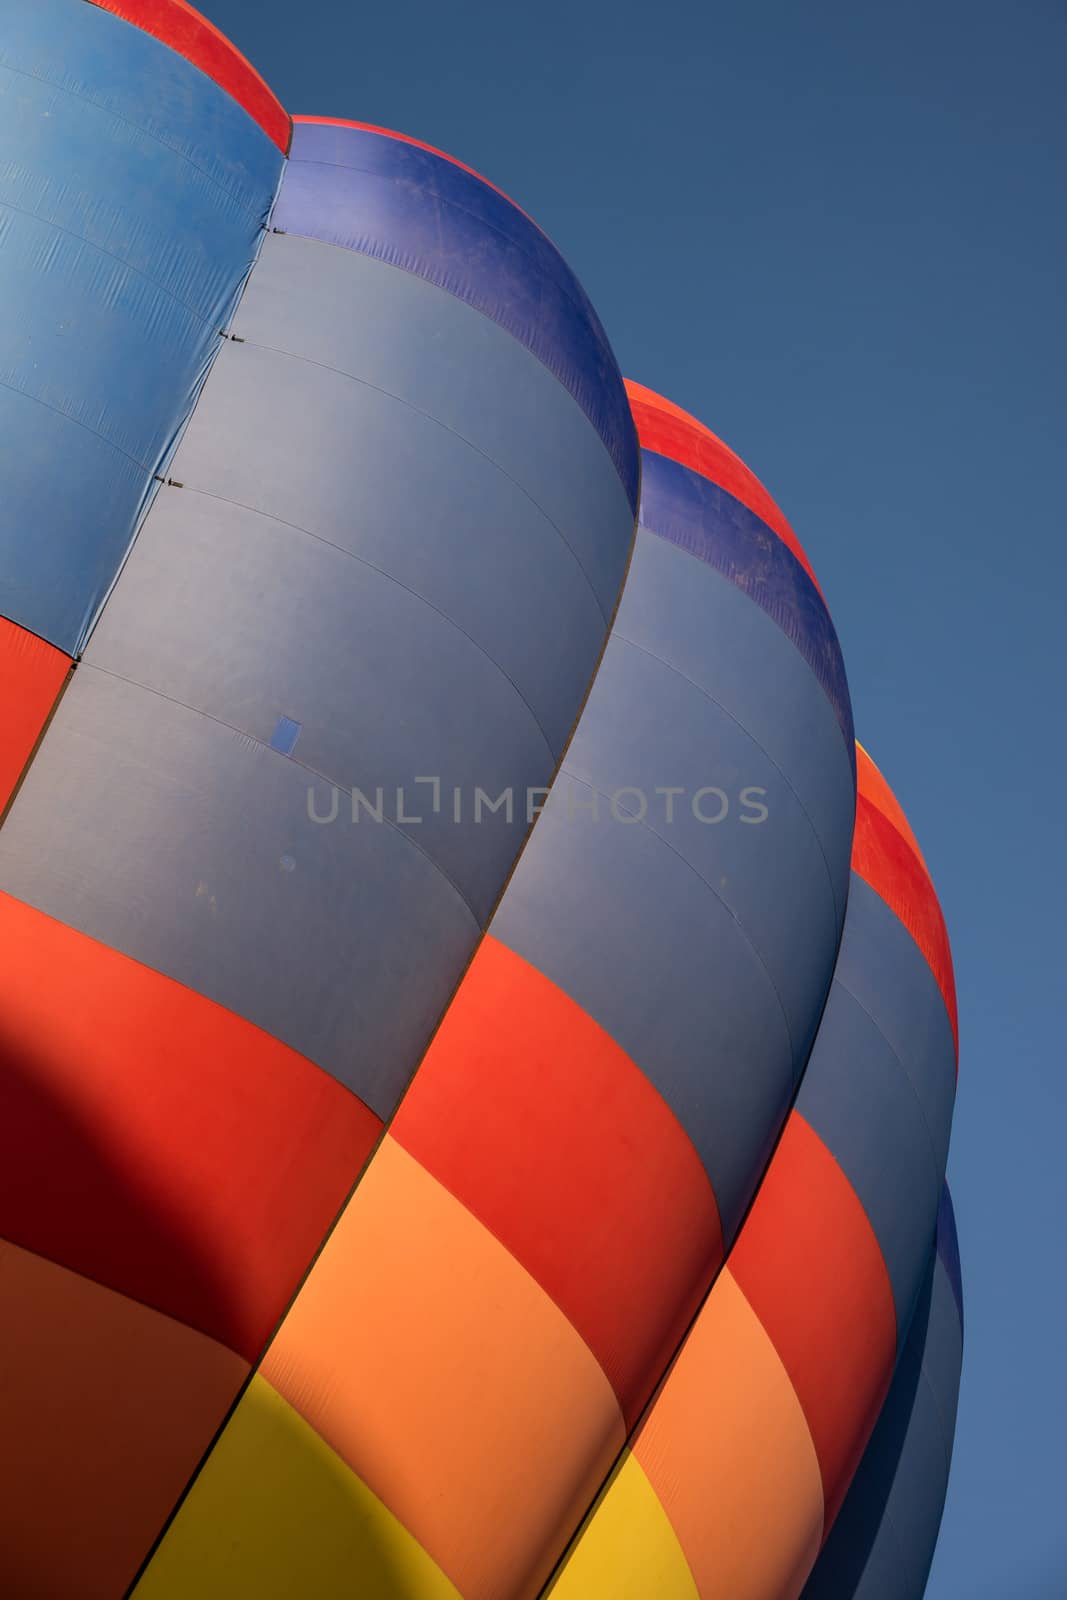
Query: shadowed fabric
[[883, 1541]]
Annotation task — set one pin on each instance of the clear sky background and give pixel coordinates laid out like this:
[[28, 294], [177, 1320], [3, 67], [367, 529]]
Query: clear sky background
[[838, 234]]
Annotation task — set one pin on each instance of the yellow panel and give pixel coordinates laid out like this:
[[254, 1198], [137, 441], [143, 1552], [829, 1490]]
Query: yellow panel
[[449, 1381], [628, 1550], [277, 1515], [728, 1451]]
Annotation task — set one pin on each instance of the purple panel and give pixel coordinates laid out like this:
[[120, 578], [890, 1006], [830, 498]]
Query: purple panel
[[699, 516], [400, 203]]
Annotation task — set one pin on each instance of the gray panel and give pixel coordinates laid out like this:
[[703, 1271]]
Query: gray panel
[[429, 350], [349, 465], [340, 576], [241, 616], [188, 846], [900, 993], [857, 1097], [760, 678], [647, 727], [620, 922]]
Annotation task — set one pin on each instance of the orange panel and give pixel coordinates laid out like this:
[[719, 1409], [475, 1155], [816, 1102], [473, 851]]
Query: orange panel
[[532, 1115], [729, 1453], [431, 1361], [31, 676], [106, 1409], [810, 1266]]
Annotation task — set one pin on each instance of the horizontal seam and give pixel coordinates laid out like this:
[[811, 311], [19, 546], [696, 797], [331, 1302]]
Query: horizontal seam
[[75, 94], [710, 888], [13, 388], [370, 565], [749, 735], [397, 266], [294, 761], [109, 1288], [324, 366], [582, 310], [47, 222]]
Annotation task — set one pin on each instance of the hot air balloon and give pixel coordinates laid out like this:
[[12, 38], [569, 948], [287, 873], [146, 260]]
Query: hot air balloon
[[477, 1073]]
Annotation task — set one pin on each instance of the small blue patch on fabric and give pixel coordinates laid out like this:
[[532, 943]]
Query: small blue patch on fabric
[[285, 735]]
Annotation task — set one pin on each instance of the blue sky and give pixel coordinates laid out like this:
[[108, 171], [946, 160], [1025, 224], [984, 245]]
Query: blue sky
[[838, 234]]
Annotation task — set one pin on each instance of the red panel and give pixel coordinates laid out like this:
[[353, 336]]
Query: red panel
[[669, 431], [809, 1264], [31, 676], [885, 860], [532, 1116], [158, 1144], [176, 24], [871, 784], [391, 133]]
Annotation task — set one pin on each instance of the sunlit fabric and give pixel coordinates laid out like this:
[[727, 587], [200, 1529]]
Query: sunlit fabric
[[478, 1034]]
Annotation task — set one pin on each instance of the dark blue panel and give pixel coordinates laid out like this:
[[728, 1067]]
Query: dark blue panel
[[886, 973], [688, 509], [189, 846], [948, 1247], [405, 205], [943, 1350], [882, 1543], [131, 207], [857, 1097]]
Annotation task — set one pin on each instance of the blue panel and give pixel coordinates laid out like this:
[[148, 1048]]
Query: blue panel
[[189, 847], [882, 1543], [704, 948], [285, 735], [697, 515], [130, 211], [416, 210], [886, 973], [857, 1097]]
